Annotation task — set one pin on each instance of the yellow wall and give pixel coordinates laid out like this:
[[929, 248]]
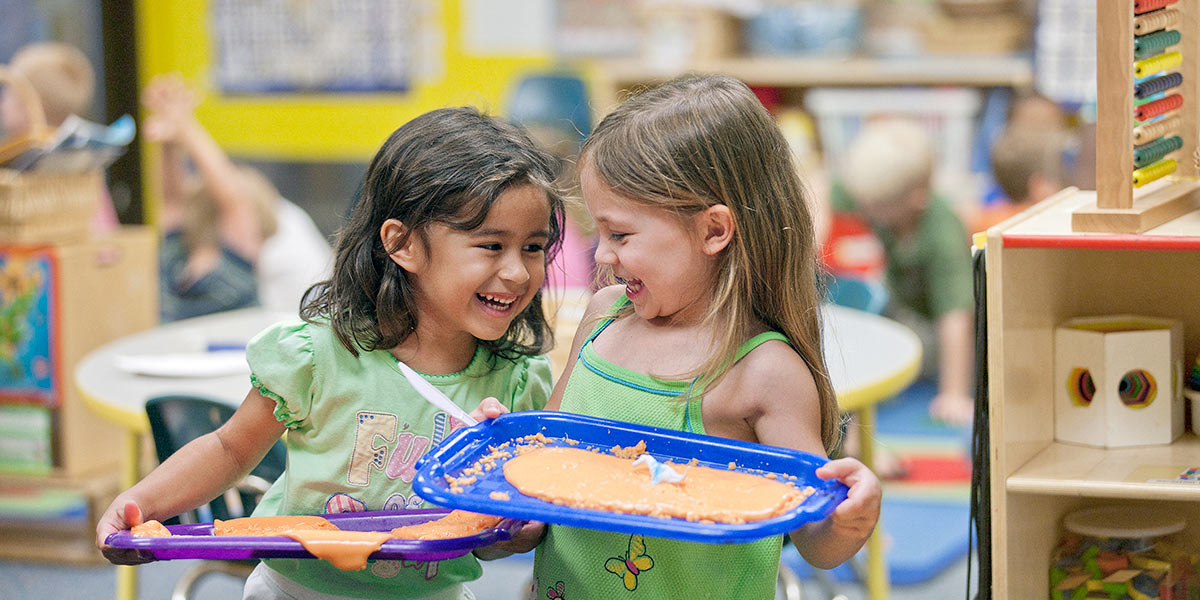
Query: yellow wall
[[174, 36]]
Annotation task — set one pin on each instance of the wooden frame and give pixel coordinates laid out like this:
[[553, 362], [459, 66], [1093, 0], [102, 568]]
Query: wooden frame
[[1119, 207]]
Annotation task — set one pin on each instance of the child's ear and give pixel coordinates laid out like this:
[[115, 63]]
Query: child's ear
[[716, 228], [403, 252]]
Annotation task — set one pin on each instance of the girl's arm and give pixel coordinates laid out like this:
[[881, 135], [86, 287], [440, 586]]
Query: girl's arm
[[195, 474], [161, 126], [173, 179], [597, 306], [777, 399]]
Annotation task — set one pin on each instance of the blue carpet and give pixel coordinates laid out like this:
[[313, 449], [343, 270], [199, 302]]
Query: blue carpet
[[926, 520], [907, 415], [924, 537]]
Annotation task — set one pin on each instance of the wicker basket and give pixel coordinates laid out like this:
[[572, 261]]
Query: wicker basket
[[47, 207], [43, 207]]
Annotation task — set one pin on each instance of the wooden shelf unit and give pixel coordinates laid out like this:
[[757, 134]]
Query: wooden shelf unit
[[612, 76], [103, 288], [1039, 274]]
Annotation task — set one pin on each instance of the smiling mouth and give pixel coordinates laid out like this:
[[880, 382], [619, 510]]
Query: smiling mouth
[[495, 302], [632, 285]]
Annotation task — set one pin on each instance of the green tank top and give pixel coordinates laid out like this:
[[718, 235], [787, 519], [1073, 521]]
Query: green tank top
[[584, 563]]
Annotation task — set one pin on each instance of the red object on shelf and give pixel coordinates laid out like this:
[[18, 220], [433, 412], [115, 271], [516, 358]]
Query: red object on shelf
[[1103, 241], [852, 248], [771, 97]]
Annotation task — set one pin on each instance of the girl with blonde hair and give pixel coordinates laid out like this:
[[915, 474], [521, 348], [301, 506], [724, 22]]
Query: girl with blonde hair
[[712, 326]]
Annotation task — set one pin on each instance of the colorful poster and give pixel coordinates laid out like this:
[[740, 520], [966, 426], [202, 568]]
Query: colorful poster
[[28, 327]]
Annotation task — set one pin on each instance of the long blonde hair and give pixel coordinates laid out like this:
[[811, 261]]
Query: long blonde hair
[[695, 142]]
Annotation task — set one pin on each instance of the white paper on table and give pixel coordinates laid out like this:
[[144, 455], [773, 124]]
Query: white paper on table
[[191, 364]]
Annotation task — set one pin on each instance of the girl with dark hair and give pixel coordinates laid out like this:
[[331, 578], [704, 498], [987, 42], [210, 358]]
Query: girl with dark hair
[[440, 266]]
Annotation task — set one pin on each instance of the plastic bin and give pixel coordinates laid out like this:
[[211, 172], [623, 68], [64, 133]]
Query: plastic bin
[[1125, 552]]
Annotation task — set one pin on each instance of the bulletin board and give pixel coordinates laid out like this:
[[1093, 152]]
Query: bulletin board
[[341, 46], [345, 118]]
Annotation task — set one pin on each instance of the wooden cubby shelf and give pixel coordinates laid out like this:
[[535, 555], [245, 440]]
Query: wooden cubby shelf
[[1072, 470], [1040, 273]]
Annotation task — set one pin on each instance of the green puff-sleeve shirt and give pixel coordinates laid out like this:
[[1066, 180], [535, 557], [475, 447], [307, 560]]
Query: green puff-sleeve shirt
[[355, 429]]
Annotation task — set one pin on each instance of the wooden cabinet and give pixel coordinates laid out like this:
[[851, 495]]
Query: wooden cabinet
[[57, 303], [1039, 274]]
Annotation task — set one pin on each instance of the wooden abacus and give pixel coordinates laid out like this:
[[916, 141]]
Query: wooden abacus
[[1148, 99]]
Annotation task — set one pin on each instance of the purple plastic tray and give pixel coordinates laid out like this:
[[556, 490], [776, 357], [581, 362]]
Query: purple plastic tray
[[197, 541]]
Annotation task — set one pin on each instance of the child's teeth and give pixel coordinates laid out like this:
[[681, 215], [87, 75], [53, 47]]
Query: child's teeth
[[496, 300]]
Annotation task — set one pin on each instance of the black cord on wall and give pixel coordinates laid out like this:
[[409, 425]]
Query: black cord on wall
[[981, 503]]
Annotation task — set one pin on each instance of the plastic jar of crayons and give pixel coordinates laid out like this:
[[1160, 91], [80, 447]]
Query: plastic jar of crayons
[[1123, 552], [1191, 391]]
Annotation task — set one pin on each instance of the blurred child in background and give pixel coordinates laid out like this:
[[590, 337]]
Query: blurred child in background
[[65, 83], [270, 250], [885, 178], [1030, 164], [214, 227], [1034, 157]]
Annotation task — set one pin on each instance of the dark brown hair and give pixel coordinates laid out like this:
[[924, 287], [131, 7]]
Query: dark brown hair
[[446, 166]]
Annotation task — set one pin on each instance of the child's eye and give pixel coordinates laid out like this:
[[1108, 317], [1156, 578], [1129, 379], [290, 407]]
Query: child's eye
[[616, 237], [495, 247], [535, 248]]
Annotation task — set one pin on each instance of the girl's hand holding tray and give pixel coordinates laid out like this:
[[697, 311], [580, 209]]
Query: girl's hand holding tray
[[466, 471]]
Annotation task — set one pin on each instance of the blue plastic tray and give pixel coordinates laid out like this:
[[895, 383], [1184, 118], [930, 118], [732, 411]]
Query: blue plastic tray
[[197, 541], [466, 446]]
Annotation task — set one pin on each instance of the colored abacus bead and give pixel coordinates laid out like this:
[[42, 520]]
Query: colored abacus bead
[[1153, 43], [1149, 66], [1154, 86], [1150, 110], [1155, 150], [1152, 22], [1155, 171], [1147, 133], [1144, 6]]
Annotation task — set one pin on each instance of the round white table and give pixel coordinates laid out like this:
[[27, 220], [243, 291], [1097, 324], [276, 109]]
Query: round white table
[[870, 359]]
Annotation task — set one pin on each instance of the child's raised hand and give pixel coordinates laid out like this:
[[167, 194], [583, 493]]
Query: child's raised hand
[[171, 103], [122, 514], [490, 408], [855, 518]]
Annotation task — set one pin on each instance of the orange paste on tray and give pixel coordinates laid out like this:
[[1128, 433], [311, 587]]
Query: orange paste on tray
[[459, 523], [150, 529], [346, 550], [593, 480], [267, 526]]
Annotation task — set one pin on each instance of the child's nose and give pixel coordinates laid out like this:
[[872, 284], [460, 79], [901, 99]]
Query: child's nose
[[514, 270], [603, 254]]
